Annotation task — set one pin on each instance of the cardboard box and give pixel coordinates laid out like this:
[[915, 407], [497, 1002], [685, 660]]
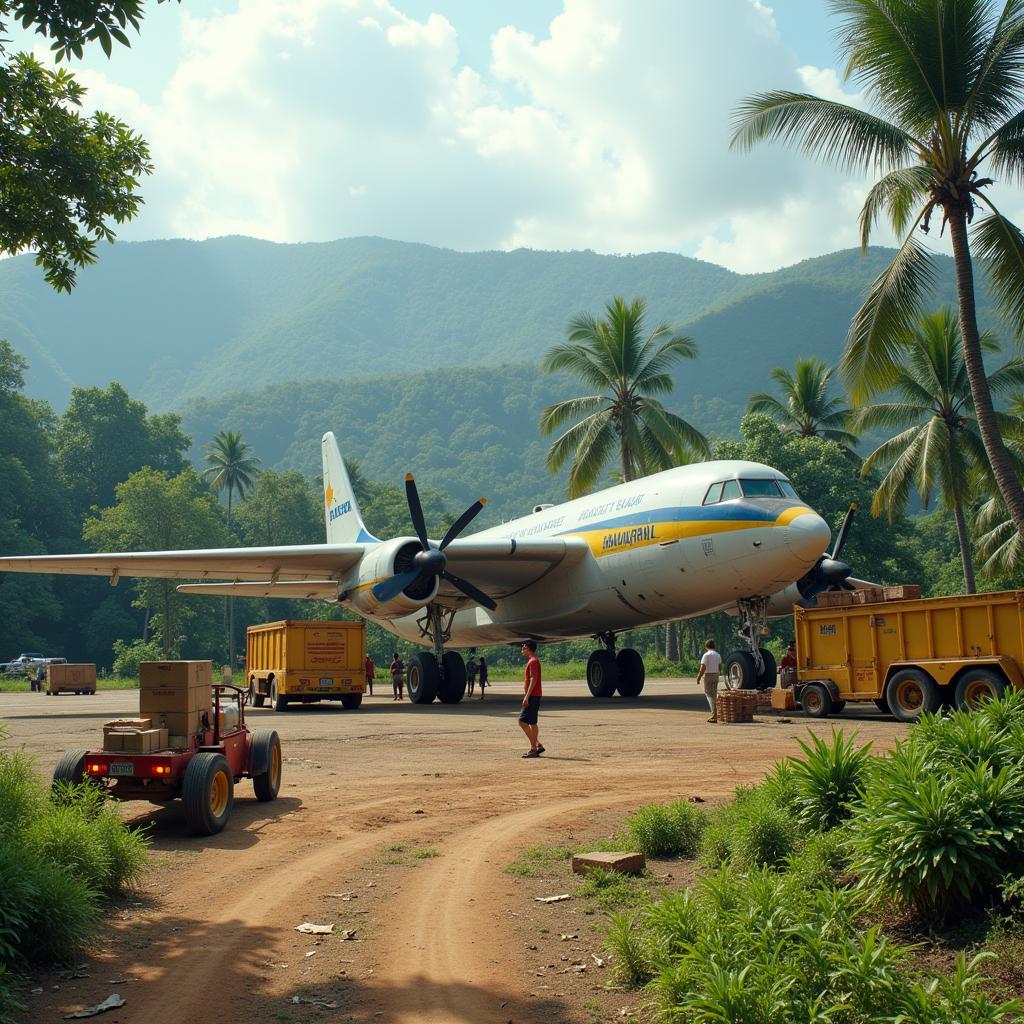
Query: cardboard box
[[113, 740], [178, 742], [782, 699], [180, 723], [187, 674], [144, 741], [172, 698], [128, 723], [70, 677]]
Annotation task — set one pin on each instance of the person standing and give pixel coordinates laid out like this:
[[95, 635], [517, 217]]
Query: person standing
[[472, 667], [531, 699], [39, 678], [397, 676], [787, 667], [710, 666], [369, 668], [482, 668]]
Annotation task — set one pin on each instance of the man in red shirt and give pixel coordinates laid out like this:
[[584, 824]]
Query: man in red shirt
[[531, 699], [369, 667], [787, 667]]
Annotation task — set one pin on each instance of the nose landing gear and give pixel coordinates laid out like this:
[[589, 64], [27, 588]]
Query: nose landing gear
[[754, 668], [608, 671]]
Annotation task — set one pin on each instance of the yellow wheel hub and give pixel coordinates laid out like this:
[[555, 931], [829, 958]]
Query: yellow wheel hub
[[219, 794], [977, 692], [910, 696], [275, 765]]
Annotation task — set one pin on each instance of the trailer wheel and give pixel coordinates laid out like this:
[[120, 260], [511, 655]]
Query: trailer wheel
[[70, 769], [256, 699], [837, 706], [883, 705], [208, 792], [911, 693], [602, 673], [422, 678], [816, 700], [740, 671], [630, 664], [451, 687], [977, 687], [277, 700], [266, 751]]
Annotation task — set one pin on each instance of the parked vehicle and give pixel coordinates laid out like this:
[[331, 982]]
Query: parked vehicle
[[304, 662], [910, 656], [26, 663]]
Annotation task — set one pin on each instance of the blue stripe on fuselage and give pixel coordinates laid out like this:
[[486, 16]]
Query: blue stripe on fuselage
[[730, 510]]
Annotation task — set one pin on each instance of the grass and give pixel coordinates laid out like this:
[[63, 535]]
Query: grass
[[610, 890], [575, 670], [19, 684], [426, 854], [539, 861]]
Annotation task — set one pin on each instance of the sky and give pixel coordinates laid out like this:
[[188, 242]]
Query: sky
[[480, 124]]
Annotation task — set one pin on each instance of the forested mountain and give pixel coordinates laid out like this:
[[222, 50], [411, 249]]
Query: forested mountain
[[175, 320]]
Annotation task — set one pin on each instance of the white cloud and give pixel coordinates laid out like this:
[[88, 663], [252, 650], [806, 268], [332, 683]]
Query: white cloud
[[315, 119]]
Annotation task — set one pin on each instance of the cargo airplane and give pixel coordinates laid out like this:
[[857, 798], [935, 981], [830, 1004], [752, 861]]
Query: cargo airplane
[[725, 535]]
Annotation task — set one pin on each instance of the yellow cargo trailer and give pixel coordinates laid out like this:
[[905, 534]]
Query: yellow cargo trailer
[[910, 656], [290, 662]]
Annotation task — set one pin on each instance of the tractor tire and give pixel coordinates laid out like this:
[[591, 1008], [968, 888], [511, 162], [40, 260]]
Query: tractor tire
[[208, 792], [911, 693], [278, 701], [266, 749], [630, 665], [422, 678], [70, 769], [766, 679], [602, 673], [451, 687], [256, 699], [351, 701], [740, 671], [816, 700], [978, 686]]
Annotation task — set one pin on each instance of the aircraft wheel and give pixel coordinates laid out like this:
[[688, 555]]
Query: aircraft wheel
[[630, 664], [451, 687], [740, 671], [912, 692], [602, 673], [422, 678], [766, 679]]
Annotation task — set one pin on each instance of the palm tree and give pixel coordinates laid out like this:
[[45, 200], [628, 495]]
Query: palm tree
[[944, 78], [939, 443], [999, 544], [230, 469], [806, 408], [627, 370]]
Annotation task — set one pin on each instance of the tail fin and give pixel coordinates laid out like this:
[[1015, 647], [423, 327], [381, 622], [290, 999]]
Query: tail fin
[[341, 510]]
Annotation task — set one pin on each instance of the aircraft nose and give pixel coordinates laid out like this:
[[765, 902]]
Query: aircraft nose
[[807, 536]]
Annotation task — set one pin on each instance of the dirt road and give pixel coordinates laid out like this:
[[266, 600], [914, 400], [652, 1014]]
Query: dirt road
[[398, 822]]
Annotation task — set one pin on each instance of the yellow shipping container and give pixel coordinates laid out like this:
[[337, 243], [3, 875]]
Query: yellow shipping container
[[910, 656], [292, 661]]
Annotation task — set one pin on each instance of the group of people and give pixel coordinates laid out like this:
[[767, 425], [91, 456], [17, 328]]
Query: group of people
[[476, 670], [711, 666]]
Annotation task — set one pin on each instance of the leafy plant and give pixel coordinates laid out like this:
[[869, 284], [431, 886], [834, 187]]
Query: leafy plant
[[666, 831], [753, 831], [826, 778], [624, 940]]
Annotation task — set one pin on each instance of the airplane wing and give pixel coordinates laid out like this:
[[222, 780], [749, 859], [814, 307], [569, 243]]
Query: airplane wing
[[306, 590], [502, 566], [296, 562]]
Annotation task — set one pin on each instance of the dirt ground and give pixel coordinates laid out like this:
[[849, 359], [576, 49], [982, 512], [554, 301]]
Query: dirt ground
[[397, 822]]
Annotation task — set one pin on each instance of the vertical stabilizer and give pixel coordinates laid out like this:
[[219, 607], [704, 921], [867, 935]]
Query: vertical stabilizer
[[341, 510]]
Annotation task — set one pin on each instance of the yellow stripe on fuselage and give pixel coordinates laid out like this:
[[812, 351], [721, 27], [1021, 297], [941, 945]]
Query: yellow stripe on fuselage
[[613, 541]]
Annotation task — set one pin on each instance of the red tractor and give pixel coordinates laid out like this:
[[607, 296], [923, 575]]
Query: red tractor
[[203, 774]]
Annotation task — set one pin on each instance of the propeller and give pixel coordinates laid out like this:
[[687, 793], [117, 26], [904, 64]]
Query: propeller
[[829, 573], [430, 562]]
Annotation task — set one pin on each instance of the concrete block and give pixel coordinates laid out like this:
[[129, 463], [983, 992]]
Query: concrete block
[[625, 863]]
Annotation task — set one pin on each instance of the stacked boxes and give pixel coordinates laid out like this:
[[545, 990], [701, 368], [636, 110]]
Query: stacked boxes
[[133, 741], [176, 695]]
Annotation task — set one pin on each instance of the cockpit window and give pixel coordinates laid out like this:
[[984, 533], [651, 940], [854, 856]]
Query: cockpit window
[[730, 490], [714, 494], [760, 489], [788, 489]]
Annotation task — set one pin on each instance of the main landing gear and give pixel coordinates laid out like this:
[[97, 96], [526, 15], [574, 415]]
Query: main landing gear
[[437, 673], [608, 672], [754, 668]]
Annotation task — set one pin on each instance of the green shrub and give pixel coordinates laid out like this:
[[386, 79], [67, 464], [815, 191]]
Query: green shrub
[[611, 890], [624, 940], [753, 831], [936, 839], [128, 656], [10, 1008], [822, 860], [666, 831], [825, 780], [22, 797]]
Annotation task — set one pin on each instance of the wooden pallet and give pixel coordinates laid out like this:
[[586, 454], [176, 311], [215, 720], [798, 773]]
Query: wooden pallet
[[736, 706]]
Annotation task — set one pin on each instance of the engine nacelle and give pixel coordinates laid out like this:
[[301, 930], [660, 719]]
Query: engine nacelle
[[381, 563], [782, 601]]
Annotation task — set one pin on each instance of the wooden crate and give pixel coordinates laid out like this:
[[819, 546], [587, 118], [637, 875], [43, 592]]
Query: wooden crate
[[905, 592], [834, 598], [736, 706]]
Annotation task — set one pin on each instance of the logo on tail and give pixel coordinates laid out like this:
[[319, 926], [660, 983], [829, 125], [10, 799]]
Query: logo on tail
[[341, 510]]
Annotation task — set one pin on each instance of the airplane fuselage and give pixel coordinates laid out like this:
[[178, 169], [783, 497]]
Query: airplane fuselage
[[662, 549]]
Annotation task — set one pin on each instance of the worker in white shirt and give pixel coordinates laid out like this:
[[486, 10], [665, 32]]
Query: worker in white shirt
[[710, 666]]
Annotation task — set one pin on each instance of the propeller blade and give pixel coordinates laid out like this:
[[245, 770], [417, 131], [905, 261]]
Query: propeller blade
[[462, 522], [393, 587], [416, 511], [843, 531], [469, 590]]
